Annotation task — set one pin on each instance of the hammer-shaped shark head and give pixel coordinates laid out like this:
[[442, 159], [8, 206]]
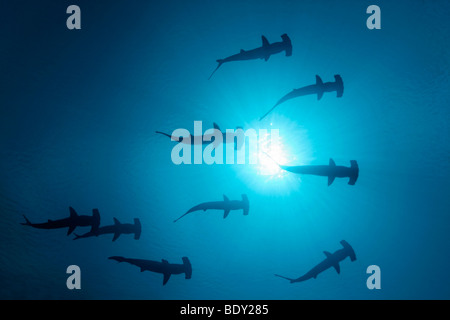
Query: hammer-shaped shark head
[[246, 204], [288, 44], [187, 267]]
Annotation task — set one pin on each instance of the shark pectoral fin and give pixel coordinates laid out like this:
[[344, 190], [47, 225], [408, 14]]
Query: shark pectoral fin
[[71, 228], [330, 179], [266, 57], [116, 235], [227, 212], [166, 278], [319, 95], [142, 269], [337, 267]]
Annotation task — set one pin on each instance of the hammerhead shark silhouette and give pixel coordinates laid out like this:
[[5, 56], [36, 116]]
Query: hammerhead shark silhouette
[[331, 170], [332, 260], [204, 139], [117, 229], [73, 221], [164, 267], [263, 52], [225, 205], [319, 88]]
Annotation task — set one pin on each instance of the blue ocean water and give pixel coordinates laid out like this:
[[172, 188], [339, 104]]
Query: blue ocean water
[[78, 115]]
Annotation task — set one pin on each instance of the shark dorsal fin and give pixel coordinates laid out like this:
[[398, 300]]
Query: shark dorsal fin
[[164, 261], [242, 51], [327, 254], [265, 42], [73, 213], [166, 278], [116, 222], [332, 163], [216, 126], [319, 80], [225, 198]]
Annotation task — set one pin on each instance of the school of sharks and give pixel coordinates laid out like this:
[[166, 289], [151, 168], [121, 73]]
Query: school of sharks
[[331, 171]]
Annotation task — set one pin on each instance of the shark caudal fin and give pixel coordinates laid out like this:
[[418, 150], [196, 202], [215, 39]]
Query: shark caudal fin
[[187, 267], [26, 223], [349, 249], [291, 280], [117, 258], [137, 229], [354, 172], [339, 85], [220, 62], [246, 204], [288, 45]]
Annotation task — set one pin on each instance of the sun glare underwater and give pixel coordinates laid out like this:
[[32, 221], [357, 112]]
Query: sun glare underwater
[[358, 175]]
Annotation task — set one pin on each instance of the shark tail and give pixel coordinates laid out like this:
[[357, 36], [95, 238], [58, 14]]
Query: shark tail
[[27, 222], [181, 216], [270, 110], [165, 134], [291, 280], [220, 62], [117, 258]]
